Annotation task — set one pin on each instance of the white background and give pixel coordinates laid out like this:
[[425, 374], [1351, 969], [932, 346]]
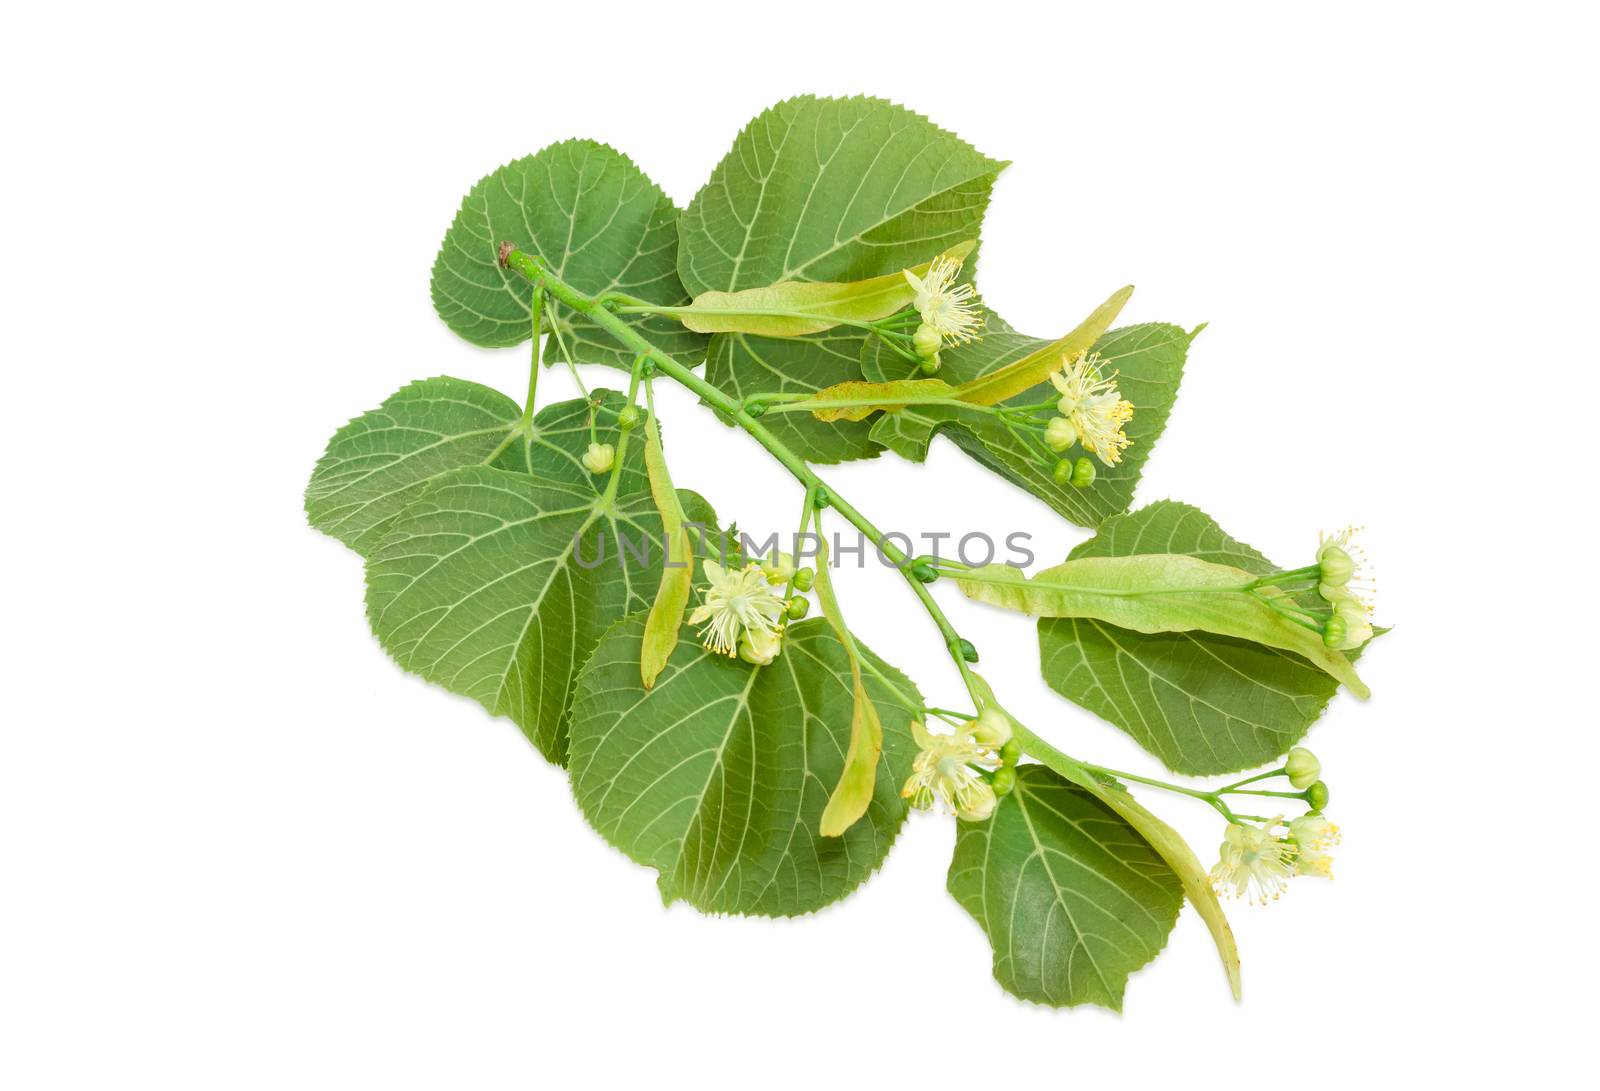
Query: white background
[[240, 848]]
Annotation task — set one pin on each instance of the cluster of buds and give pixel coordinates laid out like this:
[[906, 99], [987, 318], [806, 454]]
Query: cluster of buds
[[1256, 862], [1342, 587], [1343, 583]]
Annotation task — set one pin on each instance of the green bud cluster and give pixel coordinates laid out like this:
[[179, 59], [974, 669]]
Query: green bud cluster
[[1080, 474]]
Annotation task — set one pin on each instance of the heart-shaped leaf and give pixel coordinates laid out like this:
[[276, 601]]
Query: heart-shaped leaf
[[718, 777], [595, 220], [1072, 898]]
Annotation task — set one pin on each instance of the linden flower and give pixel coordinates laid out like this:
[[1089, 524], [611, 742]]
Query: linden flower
[[599, 457], [943, 771], [1313, 835], [1093, 406], [1254, 863], [739, 604], [950, 310]]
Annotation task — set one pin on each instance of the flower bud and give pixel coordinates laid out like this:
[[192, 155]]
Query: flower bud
[[628, 419], [1333, 631], [926, 341], [599, 458], [1336, 566], [803, 578], [778, 569], [979, 804], [1317, 796], [992, 727], [1002, 780], [1060, 434], [924, 572], [797, 608], [755, 409], [1011, 752], [930, 366], [968, 651], [1083, 473], [1302, 767], [1061, 472], [1357, 629], [759, 646]]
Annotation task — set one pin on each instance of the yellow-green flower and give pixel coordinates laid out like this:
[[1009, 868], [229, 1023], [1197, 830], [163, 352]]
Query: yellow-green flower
[[943, 770], [739, 605], [947, 308], [1254, 862], [1313, 835], [1094, 408]]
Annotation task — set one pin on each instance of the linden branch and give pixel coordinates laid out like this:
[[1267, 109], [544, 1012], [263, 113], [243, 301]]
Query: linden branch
[[602, 312]]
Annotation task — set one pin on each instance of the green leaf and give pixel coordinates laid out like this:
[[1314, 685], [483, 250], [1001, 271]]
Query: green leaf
[[597, 222], [478, 585], [718, 776], [742, 364], [1155, 593], [825, 190], [1202, 703], [1072, 898], [1149, 362], [832, 190], [378, 463], [375, 465], [795, 308]]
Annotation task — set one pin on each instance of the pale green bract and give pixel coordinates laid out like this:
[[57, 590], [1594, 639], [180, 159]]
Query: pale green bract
[[795, 308], [718, 777], [1072, 898], [1148, 360], [1202, 703], [595, 219], [819, 189], [1155, 593]]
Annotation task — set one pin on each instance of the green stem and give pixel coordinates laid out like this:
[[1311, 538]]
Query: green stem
[[535, 314], [622, 440]]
